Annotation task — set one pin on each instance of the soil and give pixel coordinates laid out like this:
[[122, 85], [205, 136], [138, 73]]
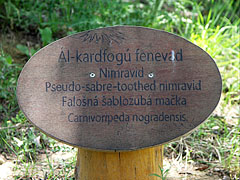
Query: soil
[[178, 170], [10, 167], [10, 40]]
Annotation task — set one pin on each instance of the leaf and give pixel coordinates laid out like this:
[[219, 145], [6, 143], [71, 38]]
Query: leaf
[[9, 60], [202, 168], [46, 35], [33, 51], [155, 175], [23, 49]]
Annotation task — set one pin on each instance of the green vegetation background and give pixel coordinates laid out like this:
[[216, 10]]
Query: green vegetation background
[[211, 24]]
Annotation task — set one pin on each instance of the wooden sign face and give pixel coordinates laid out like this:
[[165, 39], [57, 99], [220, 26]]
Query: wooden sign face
[[119, 88]]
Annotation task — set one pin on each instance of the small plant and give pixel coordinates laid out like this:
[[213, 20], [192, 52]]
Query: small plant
[[163, 174], [212, 25], [46, 38], [8, 81], [46, 35], [26, 50]]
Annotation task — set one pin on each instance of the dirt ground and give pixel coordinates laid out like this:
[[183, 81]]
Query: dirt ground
[[178, 170]]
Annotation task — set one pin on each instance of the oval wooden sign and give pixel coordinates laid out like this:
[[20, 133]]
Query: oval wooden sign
[[119, 88]]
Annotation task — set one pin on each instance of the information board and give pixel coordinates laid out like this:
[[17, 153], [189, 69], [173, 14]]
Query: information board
[[119, 88]]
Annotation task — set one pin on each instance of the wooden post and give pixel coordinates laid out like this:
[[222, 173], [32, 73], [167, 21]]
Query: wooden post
[[132, 165], [120, 87]]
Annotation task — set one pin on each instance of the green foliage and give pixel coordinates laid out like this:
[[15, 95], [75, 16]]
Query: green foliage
[[212, 143], [223, 45], [26, 50], [8, 81], [213, 25], [25, 143], [46, 36], [182, 17], [163, 174]]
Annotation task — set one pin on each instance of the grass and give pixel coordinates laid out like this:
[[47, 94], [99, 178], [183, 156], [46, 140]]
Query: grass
[[215, 143], [213, 25], [8, 80], [162, 175]]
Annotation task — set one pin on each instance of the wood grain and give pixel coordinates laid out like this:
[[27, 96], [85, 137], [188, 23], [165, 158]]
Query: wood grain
[[119, 88], [134, 165]]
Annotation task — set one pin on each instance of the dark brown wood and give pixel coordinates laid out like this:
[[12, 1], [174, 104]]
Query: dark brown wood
[[119, 88]]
